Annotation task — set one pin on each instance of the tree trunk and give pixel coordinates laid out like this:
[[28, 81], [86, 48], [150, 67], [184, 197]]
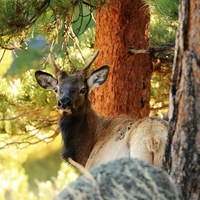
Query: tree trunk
[[121, 25], [182, 158]]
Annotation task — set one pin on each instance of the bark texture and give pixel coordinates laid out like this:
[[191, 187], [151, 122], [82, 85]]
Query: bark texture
[[182, 159], [123, 24]]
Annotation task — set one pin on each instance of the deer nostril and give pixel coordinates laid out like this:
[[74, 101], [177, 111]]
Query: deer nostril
[[64, 103], [60, 104], [67, 103]]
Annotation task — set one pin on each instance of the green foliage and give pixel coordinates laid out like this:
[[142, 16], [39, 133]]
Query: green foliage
[[160, 87], [42, 169], [164, 21], [14, 176], [161, 31], [13, 179], [6, 62], [25, 110], [164, 8], [16, 19], [66, 175], [28, 114], [51, 18], [163, 27], [28, 59]]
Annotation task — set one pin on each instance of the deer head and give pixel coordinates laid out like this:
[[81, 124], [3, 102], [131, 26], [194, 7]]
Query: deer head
[[72, 90]]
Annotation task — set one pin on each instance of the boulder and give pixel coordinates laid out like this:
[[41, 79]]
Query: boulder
[[124, 178]]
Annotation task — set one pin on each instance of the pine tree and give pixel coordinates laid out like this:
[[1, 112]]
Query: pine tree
[[26, 111], [119, 27], [163, 28]]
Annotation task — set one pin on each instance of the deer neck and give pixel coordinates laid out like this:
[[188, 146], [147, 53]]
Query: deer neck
[[79, 134]]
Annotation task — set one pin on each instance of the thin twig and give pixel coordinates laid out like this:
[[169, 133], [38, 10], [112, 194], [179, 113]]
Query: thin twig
[[76, 42], [16, 117], [4, 51], [28, 143]]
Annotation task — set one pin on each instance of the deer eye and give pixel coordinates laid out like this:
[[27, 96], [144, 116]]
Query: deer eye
[[55, 89], [83, 90]]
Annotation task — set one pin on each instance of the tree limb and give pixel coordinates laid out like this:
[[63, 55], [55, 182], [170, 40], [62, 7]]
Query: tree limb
[[166, 47]]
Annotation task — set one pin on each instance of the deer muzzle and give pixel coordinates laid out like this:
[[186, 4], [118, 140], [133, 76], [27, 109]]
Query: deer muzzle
[[65, 105]]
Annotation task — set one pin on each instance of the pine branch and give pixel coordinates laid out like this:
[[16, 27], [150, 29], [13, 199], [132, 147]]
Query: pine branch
[[138, 51], [165, 47], [161, 59], [153, 50], [29, 141], [19, 20]]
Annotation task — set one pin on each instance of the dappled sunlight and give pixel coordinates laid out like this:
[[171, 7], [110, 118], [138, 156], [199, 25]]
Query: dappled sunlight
[[49, 189], [14, 86], [16, 173], [6, 59]]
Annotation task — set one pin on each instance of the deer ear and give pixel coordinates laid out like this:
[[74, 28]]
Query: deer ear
[[45, 80], [98, 77]]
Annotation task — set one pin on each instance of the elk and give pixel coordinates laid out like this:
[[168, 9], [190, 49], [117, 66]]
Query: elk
[[90, 138]]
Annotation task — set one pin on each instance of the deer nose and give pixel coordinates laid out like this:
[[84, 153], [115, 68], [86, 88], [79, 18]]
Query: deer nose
[[64, 103]]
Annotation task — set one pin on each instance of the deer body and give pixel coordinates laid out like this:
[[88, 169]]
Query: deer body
[[91, 139], [143, 139]]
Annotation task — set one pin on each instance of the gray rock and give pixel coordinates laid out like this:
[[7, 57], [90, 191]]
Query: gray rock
[[124, 178]]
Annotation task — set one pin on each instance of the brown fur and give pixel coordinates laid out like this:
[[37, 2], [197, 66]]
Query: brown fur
[[144, 139]]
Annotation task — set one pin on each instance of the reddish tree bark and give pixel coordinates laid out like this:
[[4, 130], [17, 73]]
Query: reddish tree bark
[[182, 159], [120, 25]]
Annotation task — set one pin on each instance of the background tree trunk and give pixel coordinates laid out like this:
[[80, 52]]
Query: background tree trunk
[[121, 25], [182, 159]]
